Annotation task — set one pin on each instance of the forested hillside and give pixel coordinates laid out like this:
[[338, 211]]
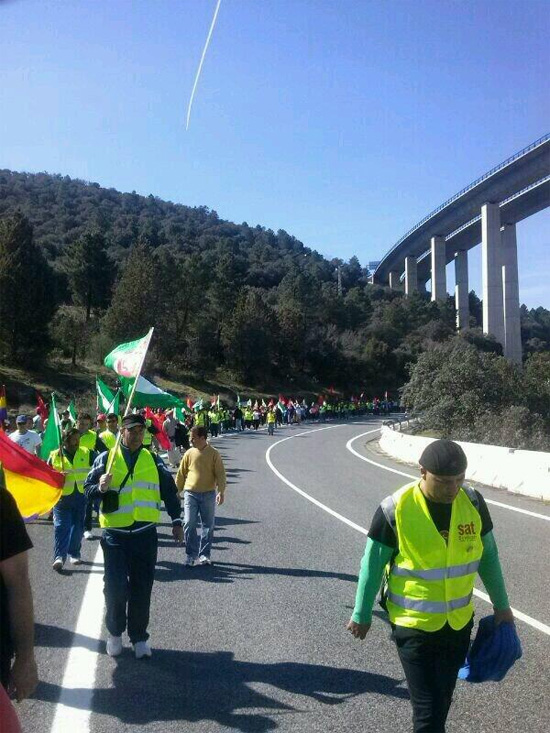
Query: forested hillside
[[83, 267]]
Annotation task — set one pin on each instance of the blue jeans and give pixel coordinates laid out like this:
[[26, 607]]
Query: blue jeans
[[68, 523], [198, 504], [129, 573]]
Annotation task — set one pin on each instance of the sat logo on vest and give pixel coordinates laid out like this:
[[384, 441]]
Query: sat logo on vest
[[466, 532]]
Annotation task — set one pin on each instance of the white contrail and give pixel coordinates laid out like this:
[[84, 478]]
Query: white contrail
[[201, 62]]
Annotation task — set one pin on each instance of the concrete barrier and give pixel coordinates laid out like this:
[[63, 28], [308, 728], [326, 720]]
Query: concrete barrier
[[524, 472]]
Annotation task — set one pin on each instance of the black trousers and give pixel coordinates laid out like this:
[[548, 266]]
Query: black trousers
[[431, 661], [129, 573]]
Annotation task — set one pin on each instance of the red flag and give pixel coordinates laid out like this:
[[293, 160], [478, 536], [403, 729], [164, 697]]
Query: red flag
[[331, 389], [190, 403], [282, 399], [162, 438], [271, 403], [41, 408]]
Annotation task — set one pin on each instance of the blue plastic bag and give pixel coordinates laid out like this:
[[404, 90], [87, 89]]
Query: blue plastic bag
[[493, 652]]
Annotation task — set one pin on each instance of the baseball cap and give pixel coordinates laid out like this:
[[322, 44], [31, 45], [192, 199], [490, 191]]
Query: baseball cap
[[444, 458], [131, 421], [20, 419], [101, 416]]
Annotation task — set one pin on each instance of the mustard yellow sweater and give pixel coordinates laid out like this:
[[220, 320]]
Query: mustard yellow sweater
[[201, 470]]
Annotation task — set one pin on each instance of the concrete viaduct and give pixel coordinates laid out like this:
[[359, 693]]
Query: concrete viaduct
[[485, 212]]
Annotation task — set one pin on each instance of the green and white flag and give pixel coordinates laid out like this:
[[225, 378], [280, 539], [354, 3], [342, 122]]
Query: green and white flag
[[106, 401], [51, 440], [72, 412], [180, 413], [148, 394], [127, 359]]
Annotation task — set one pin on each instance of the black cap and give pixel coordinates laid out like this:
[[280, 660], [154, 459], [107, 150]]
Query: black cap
[[130, 421], [444, 458]]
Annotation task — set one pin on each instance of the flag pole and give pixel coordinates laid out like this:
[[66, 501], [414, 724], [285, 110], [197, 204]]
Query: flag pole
[[128, 404], [53, 409]]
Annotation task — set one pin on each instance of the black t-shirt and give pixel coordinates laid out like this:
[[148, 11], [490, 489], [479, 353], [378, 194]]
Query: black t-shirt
[[13, 540], [381, 531]]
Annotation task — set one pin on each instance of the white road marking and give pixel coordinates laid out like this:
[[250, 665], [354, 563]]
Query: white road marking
[[483, 596], [408, 475], [73, 709]]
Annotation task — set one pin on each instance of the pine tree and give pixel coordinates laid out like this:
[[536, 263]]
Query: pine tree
[[137, 296], [26, 293], [89, 271]]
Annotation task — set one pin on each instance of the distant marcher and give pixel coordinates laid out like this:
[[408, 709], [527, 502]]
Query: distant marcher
[[27, 439], [271, 419], [109, 435], [68, 514], [169, 426], [89, 438], [131, 496], [201, 476]]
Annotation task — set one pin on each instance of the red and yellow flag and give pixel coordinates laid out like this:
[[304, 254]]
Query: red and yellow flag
[[35, 486]]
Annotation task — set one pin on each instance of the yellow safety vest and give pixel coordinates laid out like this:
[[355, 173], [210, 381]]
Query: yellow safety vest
[[76, 470], [271, 417], [430, 582], [147, 436], [139, 499], [108, 438], [88, 440], [201, 419]]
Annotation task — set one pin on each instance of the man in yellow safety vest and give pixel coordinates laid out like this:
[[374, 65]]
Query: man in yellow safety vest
[[429, 540], [68, 514], [131, 495]]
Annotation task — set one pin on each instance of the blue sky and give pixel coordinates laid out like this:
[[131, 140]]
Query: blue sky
[[342, 122]]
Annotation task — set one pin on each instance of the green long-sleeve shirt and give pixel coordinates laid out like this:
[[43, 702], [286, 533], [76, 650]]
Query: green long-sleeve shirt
[[377, 556]]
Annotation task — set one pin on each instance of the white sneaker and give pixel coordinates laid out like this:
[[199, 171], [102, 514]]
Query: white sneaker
[[75, 560], [142, 649], [88, 535], [114, 645], [189, 561], [58, 563], [203, 560]]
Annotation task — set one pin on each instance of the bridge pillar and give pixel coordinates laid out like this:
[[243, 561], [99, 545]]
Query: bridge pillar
[[422, 287], [491, 262], [411, 277], [461, 290], [439, 282], [510, 288], [395, 283]]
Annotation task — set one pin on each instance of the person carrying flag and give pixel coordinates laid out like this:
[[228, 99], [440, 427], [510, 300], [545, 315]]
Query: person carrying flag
[[131, 495]]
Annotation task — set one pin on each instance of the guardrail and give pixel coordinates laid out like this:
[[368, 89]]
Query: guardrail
[[456, 196], [411, 423]]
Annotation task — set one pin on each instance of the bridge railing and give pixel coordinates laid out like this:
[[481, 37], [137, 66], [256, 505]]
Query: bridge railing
[[494, 170]]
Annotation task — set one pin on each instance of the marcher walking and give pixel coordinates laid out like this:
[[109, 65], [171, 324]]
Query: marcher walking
[[432, 537], [68, 514], [131, 496], [201, 476]]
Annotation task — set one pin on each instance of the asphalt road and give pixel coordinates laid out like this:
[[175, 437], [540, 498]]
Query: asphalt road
[[257, 642]]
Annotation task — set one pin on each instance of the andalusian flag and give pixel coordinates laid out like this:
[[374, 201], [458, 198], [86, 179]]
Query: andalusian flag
[[51, 440], [35, 486], [148, 394], [72, 412], [3, 406], [127, 359], [180, 413], [106, 401]]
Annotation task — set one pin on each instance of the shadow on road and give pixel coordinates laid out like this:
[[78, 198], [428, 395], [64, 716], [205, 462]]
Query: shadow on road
[[227, 572], [196, 686]]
